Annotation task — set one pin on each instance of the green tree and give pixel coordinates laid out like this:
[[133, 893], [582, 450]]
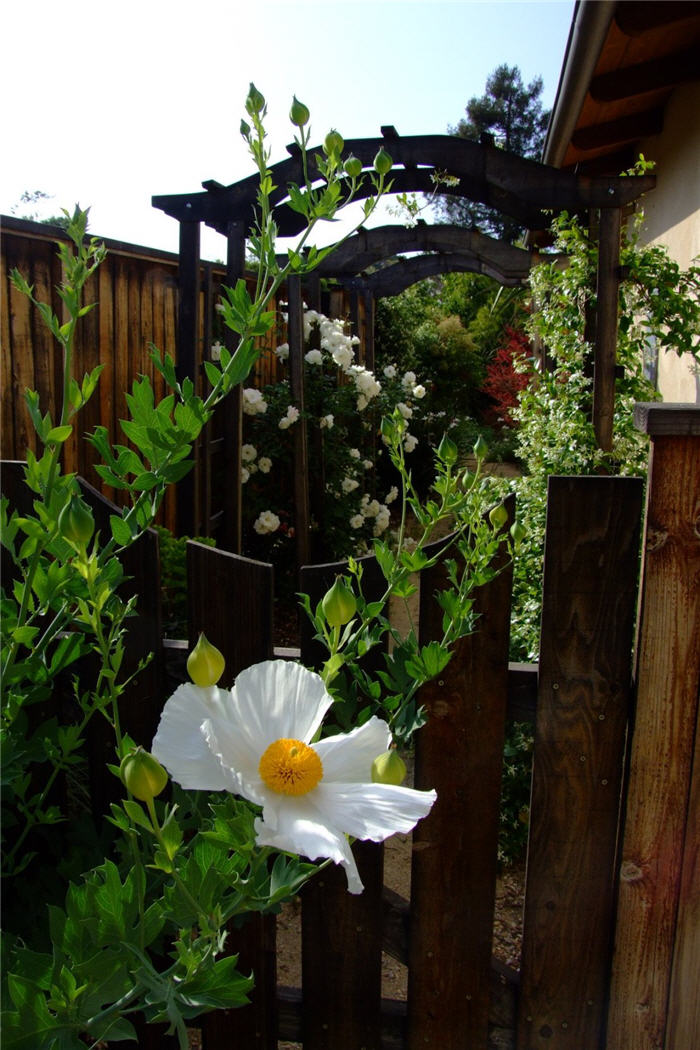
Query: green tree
[[512, 114]]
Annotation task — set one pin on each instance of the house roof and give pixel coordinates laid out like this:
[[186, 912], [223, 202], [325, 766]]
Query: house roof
[[623, 60]]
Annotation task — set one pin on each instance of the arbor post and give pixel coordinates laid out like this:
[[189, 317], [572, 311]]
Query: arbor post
[[605, 354]]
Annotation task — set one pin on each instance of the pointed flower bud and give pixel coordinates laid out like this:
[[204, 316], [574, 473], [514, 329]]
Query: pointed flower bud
[[333, 143], [518, 532], [339, 605], [205, 664], [389, 768], [245, 129], [255, 101], [383, 162], [299, 113], [448, 451], [142, 774], [353, 166], [480, 448], [75, 522], [498, 516]]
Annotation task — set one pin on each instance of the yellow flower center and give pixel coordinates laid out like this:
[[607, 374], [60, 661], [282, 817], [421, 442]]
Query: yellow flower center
[[290, 767]]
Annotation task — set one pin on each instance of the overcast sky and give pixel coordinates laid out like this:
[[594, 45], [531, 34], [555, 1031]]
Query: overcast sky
[[109, 104]]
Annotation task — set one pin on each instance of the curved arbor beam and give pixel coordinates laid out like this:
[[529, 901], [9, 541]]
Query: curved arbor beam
[[369, 247], [522, 189], [396, 276]]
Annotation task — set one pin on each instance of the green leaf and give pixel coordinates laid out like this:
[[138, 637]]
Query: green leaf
[[120, 530]]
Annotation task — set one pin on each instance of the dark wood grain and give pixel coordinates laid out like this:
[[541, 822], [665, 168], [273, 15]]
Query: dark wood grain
[[459, 752], [591, 564]]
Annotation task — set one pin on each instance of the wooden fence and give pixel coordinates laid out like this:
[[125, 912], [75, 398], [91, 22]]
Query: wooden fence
[[137, 293], [611, 918]]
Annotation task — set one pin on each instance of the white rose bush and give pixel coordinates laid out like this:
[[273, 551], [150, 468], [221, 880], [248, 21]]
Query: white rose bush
[[344, 405], [243, 793]]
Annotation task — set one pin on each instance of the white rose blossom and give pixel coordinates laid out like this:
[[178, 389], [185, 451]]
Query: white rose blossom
[[409, 442], [266, 522], [259, 740], [245, 475], [248, 453], [314, 357], [354, 452], [264, 464], [405, 410], [356, 521], [253, 402], [418, 391], [349, 485], [390, 371], [282, 351], [326, 422], [291, 417], [408, 380]]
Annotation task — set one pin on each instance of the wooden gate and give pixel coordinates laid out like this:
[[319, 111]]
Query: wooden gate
[[611, 916]]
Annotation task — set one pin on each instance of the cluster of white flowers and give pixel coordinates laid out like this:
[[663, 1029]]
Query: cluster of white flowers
[[266, 522], [327, 422], [349, 485], [366, 384], [372, 508], [249, 455], [254, 404], [291, 417]]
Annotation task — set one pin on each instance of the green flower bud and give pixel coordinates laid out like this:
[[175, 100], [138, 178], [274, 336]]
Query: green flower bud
[[353, 166], [142, 774], [255, 101], [205, 664], [245, 129], [481, 448], [333, 143], [383, 162], [448, 451], [518, 532], [389, 768], [498, 516], [299, 113], [339, 605], [75, 522]]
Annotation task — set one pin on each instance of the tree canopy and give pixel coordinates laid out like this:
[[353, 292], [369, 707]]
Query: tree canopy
[[511, 114]]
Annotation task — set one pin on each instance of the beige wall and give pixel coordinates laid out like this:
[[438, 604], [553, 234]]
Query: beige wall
[[672, 214]]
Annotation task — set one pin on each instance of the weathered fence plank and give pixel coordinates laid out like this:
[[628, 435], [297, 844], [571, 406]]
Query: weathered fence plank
[[230, 600], [657, 901], [589, 601], [453, 875], [341, 933], [341, 956]]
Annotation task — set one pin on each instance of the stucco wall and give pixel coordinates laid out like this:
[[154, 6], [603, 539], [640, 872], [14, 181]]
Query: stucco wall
[[672, 214]]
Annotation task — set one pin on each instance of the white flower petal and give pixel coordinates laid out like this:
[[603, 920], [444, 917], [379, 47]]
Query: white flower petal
[[348, 757], [372, 811], [179, 743], [298, 830], [278, 699], [233, 751]]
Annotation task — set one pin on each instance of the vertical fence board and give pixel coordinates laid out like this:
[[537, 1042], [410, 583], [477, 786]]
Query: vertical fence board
[[230, 600], [342, 957], [341, 933], [655, 898], [459, 752], [589, 598]]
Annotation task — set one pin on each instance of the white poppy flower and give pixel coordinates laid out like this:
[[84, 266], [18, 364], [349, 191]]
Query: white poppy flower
[[258, 741]]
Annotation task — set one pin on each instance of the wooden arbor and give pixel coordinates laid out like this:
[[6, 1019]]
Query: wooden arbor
[[523, 189]]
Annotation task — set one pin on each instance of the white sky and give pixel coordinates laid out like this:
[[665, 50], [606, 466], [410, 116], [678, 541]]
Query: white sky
[[109, 104]]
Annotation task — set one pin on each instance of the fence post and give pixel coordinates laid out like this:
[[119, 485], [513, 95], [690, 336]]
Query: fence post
[[584, 698], [459, 752], [653, 997], [230, 599]]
